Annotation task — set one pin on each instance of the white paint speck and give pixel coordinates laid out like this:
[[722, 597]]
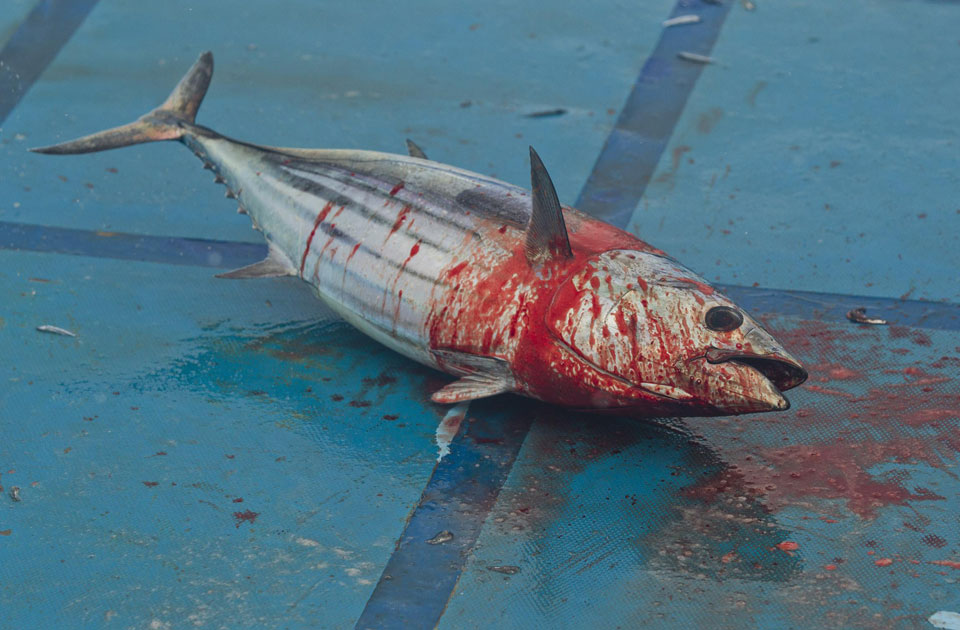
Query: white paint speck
[[945, 619], [449, 426], [307, 542]]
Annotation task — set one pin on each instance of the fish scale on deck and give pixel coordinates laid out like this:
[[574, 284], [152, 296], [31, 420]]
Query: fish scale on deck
[[500, 286]]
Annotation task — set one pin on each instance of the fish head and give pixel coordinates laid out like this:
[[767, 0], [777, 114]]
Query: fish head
[[654, 338]]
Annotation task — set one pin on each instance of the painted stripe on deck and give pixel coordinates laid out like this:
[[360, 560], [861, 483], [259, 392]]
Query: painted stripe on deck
[[35, 44], [420, 577], [173, 250], [643, 129]]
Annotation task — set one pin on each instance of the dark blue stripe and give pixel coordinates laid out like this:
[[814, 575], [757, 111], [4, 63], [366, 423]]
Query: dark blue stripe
[[419, 578], [34, 45], [645, 124], [161, 249], [200, 252]]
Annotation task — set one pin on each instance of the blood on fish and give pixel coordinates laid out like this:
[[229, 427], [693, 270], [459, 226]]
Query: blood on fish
[[396, 189], [401, 216], [352, 252], [320, 218]]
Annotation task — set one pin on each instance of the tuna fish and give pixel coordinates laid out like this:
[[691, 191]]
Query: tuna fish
[[500, 286]]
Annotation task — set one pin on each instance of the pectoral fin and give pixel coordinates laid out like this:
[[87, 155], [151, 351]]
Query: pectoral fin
[[483, 376], [472, 387], [274, 265]]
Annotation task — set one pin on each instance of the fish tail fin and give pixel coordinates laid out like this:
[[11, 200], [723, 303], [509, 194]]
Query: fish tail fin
[[170, 121]]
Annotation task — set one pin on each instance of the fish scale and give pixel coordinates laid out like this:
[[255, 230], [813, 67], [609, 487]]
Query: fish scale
[[502, 287]]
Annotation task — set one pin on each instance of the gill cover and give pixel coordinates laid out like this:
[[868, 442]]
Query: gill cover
[[590, 316]]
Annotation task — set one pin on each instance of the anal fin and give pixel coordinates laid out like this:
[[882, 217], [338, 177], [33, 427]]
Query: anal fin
[[275, 265]]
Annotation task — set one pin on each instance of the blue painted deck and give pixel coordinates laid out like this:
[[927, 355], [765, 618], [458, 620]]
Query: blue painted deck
[[226, 454]]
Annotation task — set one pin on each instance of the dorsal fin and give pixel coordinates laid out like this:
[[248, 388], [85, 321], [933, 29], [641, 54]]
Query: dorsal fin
[[546, 232], [415, 151]]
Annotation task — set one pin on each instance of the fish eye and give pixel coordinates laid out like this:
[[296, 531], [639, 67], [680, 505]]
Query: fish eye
[[723, 319]]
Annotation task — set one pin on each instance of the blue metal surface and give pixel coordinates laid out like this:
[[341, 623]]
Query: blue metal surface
[[224, 454]]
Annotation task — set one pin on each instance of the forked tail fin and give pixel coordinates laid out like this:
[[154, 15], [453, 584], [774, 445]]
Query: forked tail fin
[[167, 122]]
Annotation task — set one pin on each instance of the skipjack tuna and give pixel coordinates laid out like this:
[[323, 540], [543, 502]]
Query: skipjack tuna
[[502, 287]]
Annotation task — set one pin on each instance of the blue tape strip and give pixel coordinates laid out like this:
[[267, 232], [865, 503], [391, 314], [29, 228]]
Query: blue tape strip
[[169, 250], [419, 578], [199, 252], [34, 45], [640, 135]]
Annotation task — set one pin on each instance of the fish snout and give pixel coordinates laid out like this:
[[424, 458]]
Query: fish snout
[[750, 378]]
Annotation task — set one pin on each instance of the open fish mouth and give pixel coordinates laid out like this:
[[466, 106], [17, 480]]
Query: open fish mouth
[[783, 371]]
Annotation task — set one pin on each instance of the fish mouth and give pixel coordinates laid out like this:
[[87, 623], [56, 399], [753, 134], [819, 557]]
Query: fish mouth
[[782, 370], [739, 381]]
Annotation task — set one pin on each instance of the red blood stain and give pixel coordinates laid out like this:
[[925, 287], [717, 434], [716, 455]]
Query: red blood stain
[[238, 500], [336, 397], [946, 563], [396, 189], [918, 337], [787, 545], [825, 372], [151, 484], [381, 380], [837, 470], [401, 217], [360, 403], [830, 567], [352, 252], [390, 416], [828, 391], [456, 269], [704, 288], [883, 562], [320, 218], [247, 516], [934, 541], [229, 456]]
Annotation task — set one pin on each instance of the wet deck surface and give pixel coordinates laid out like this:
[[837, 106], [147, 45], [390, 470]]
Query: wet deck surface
[[226, 454]]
